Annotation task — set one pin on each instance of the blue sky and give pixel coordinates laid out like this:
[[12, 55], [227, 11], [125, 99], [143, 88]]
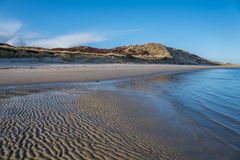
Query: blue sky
[[209, 28]]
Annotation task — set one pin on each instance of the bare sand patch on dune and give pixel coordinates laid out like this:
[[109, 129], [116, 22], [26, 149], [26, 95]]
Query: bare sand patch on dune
[[75, 124]]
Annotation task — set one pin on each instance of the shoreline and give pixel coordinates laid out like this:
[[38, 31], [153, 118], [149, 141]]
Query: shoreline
[[89, 72]]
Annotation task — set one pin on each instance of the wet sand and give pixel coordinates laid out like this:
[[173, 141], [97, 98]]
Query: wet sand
[[75, 124], [95, 120]]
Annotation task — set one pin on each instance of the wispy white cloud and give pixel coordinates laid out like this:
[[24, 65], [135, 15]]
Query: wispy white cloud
[[22, 39], [68, 40], [12, 32], [9, 29]]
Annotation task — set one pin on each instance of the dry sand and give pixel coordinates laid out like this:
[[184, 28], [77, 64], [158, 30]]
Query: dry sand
[[80, 73]]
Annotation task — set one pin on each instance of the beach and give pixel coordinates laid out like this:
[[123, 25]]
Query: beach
[[24, 73], [107, 111]]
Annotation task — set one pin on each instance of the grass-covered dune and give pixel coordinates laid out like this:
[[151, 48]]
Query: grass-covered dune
[[146, 53]]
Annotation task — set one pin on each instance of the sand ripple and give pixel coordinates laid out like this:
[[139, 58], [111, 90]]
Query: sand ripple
[[73, 124]]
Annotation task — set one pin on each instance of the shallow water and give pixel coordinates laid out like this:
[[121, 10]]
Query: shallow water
[[210, 98], [206, 107]]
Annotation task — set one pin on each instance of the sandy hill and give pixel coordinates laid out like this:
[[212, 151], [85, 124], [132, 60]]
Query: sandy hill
[[146, 53]]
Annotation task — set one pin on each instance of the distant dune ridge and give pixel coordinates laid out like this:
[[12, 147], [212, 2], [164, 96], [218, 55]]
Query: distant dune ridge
[[146, 53]]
